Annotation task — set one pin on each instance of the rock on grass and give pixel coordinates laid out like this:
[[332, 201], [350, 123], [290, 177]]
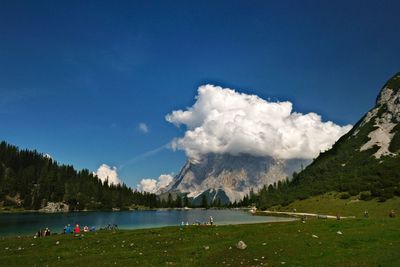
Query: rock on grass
[[241, 245]]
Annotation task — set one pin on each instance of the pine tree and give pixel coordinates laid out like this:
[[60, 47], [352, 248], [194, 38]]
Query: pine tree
[[185, 201], [204, 202], [169, 201], [178, 202]]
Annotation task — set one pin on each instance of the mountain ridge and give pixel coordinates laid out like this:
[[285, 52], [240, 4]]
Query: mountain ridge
[[231, 175], [366, 159]]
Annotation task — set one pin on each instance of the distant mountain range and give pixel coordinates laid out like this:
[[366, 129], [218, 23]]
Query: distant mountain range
[[229, 177]]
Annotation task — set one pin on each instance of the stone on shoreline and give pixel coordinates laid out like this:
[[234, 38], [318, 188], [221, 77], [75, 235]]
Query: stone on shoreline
[[52, 207], [241, 245]]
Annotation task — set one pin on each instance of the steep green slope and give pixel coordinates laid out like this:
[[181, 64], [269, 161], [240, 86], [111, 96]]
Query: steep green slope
[[365, 159]]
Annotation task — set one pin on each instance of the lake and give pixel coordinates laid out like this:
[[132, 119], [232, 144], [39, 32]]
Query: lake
[[30, 223]]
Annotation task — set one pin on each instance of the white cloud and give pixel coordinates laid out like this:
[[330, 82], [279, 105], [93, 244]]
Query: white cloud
[[143, 127], [164, 180], [153, 185], [105, 172], [148, 185], [47, 156], [225, 121]]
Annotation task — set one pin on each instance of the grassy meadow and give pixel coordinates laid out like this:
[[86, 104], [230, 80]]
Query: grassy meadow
[[331, 204], [371, 241]]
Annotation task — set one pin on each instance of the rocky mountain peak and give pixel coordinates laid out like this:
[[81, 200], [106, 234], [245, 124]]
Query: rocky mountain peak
[[232, 176], [389, 97], [392, 85], [383, 119]]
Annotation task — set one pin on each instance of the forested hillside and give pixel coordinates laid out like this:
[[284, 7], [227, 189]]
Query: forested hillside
[[365, 161], [29, 179]]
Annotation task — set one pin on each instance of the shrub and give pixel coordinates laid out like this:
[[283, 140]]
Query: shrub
[[396, 191], [302, 196], [365, 195], [382, 199], [344, 195], [353, 192]]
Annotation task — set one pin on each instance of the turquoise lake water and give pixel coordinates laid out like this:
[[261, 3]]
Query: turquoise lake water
[[30, 223]]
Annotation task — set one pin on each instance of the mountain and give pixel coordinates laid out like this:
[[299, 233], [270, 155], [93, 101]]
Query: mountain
[[366, 160], [230, 177]]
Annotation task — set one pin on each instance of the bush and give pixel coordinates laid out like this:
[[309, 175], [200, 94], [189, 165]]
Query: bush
[[376, 192], [302, 197], [382, 199], [396, 191], [9, 202], [353, 192], [365, 195], [344, 195]]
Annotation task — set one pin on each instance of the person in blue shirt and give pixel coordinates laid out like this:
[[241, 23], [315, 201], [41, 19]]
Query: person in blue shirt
[[68, 229]]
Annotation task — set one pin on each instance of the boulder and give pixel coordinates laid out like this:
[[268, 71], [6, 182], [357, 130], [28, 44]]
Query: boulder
[[52, 207], [241, 245]]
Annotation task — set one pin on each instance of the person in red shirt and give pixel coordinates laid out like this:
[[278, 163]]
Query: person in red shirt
[[77, 230]]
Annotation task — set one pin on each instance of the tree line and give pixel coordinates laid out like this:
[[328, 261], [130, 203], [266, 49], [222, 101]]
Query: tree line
[[30, 180]]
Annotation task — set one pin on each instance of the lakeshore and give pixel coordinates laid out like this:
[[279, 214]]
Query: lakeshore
[[29, 223], [361, 242]]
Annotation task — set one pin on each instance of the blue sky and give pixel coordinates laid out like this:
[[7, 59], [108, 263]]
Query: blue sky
[[78, 77]]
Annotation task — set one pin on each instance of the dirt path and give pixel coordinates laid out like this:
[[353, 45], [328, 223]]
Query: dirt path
[[300, 214]]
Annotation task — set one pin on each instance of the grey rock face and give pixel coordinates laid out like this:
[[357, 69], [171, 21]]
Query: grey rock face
[[385, 116], [234, 175], [52, 207]]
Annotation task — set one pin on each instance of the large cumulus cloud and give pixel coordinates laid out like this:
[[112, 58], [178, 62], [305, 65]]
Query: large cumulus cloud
[[225, 121]]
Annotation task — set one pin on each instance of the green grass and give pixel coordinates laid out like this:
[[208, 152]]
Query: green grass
[[9, 209], [364, 242], [331, 204], [373, 241]]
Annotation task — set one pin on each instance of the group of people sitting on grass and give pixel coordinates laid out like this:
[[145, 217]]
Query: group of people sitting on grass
[[197, 222], [209, 222], [43, 232], [77, 229]]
